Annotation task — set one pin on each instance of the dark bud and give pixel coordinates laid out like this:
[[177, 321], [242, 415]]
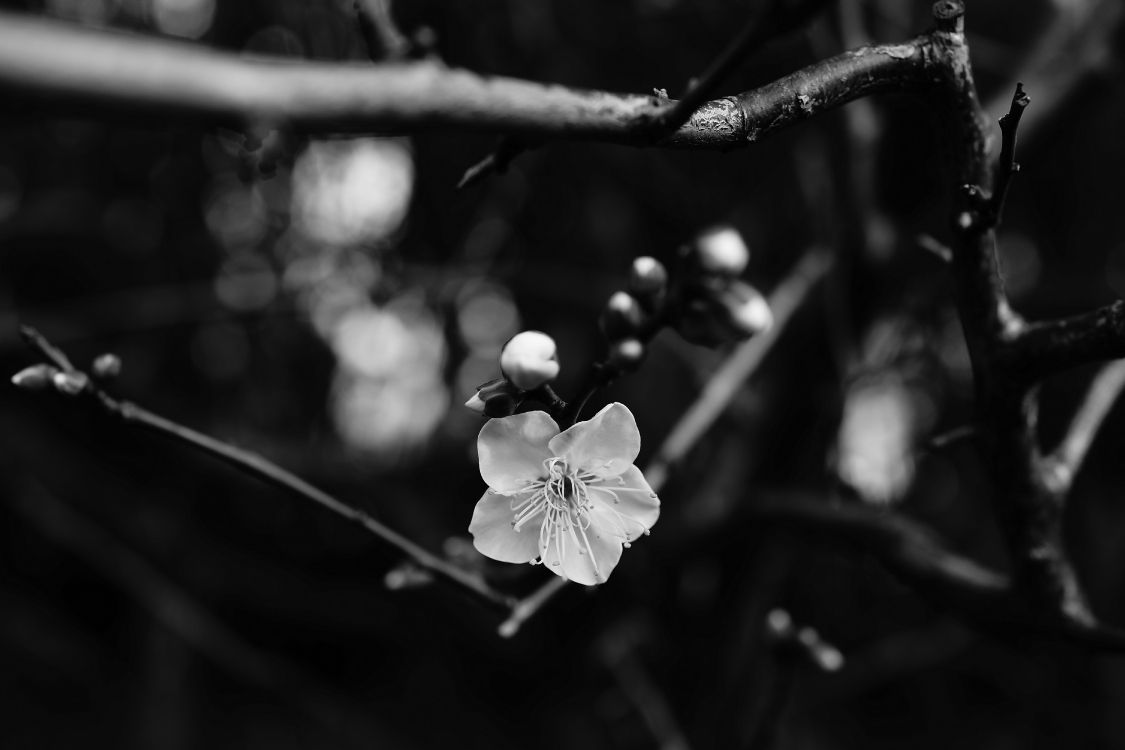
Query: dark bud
[[623, 317], [648, 280], [723, 311], [496, 398], [107, 366], [626, 355]]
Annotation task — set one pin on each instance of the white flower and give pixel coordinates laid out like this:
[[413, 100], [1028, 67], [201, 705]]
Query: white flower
[[529, 360], [571, 500]]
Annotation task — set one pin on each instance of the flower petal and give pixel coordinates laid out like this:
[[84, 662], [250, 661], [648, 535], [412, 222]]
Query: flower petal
[[630, 502], [562, 556], [512, 449], [605, 445], [494, 536]]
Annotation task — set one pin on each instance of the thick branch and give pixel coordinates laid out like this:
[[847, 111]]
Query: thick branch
[[1045, 349], [74, 69], [777, 19]]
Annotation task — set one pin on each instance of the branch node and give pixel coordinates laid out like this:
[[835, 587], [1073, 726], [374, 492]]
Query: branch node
[[949, 16]]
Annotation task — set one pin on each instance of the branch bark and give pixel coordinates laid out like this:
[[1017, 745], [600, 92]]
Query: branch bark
[[76, 70]]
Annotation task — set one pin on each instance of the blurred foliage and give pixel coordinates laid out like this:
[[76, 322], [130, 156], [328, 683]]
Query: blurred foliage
[[332, 302]]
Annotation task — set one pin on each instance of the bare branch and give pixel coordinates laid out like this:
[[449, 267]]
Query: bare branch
[[380, 32], [772, 22], [618, 652], [258, 467], [1067, 458], [525, 608], [496, 162], [1045, 349], [75, 69], [1009, 125], [724, 385]]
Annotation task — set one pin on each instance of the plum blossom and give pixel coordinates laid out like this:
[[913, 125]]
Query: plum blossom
[[570, 500]]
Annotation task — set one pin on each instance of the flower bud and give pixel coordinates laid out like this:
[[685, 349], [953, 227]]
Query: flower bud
[[625, 355], [529, 360], [107, 366], [749, 311], [34, 378], [622, 317], [496, 398], [647, 278], [70, 383], [721, 251], [727, 310]]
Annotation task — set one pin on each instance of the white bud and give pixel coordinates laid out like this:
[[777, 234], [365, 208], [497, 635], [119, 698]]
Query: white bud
[[529, 360], [70, 383], [647, 276], [107, 366], [753, 316], [34, 378], [723, 251]]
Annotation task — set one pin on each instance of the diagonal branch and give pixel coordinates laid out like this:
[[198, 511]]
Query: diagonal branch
[[258, 467], [1103, 393], [82, 71]]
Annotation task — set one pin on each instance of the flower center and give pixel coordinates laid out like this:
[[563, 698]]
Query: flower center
[[561, 502]]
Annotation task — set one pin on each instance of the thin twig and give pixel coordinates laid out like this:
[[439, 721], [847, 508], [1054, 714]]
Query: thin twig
[[951, 437], [1007, 168], [618, 652], [496, 162], [1067, 458], [525, 608], [380, 32], [262, 469]]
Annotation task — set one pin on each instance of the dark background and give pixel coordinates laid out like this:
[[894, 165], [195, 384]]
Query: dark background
[[331, 303]]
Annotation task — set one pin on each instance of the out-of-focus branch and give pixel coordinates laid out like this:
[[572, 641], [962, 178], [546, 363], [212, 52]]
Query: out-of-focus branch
[[986, 598], [76, 383], [80, 70], [380, 32], [714, 398], [729, 378], [1067, 458], [1074, 46], [182, 615], [618, 650], [1007, 168]]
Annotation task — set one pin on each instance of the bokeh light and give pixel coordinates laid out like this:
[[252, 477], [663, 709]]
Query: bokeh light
[[352, 191]]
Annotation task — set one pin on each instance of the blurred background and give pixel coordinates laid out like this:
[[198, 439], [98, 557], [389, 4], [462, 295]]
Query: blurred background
[[332, 302]]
